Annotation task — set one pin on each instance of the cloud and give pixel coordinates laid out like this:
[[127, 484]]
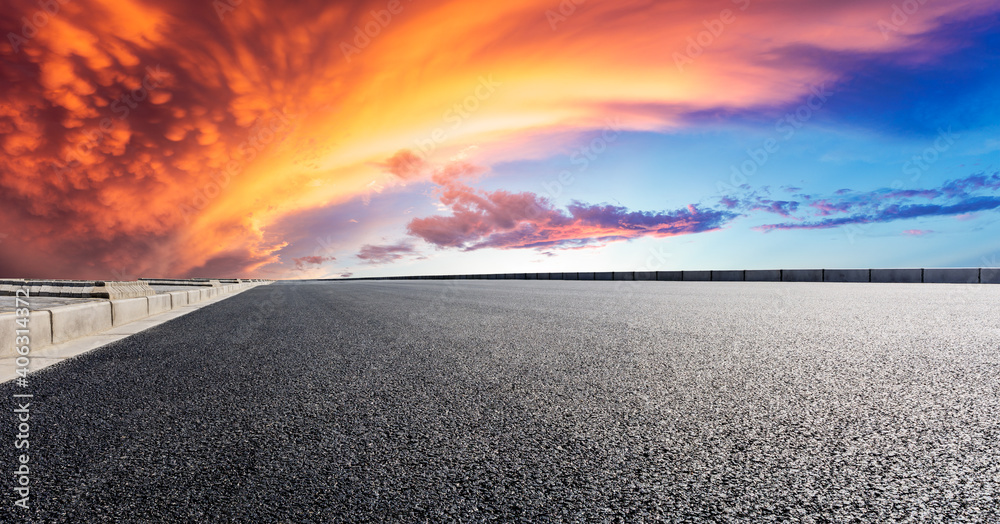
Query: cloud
[[959, 198], [780, 207], [826, 208], [312, 260], [917, 232], [405, 164], [751, 200], [896, 212], [384, 254], [965, 186], [929, 194], [509, 220]]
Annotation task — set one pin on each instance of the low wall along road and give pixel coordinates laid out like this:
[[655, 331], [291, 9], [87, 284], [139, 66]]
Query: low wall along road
[[973, 275], [59, 311]]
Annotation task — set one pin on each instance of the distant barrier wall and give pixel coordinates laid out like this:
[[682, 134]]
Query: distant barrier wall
[[903, 276]]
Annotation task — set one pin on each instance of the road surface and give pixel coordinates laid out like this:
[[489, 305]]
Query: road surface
[[532, 401]]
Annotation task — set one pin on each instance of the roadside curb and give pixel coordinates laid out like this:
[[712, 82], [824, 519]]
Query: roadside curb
[[59, 324]]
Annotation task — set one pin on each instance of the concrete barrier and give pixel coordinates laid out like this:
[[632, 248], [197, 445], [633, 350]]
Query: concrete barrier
[[125, 289], [9, 286], [194, 296], [60, 324], [158, 304], [80, 320], [127, 310], [39, 334], [952, 275], [178, 299], [79, 288], [801, 275], [898, 276], [762, 275], [945, 275], [697, 276], [846, 275]]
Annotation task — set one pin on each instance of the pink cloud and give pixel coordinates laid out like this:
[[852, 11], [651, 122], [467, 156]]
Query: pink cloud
[[826, 207], [917, 232], [314, 260], [507, 220], [373, 254], [405, 164]]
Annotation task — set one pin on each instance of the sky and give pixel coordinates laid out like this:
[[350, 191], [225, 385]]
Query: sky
[[323, 139]]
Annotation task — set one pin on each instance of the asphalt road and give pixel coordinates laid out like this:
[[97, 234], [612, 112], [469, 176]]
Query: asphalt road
[[532, 401]]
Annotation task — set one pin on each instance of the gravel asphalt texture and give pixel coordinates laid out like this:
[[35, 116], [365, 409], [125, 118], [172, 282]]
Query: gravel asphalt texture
[[532, 401]]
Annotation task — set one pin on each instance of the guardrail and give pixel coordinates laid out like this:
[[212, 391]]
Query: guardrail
[[973, 275]]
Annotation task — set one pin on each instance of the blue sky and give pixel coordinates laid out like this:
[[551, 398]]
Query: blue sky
[[888, 127]]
